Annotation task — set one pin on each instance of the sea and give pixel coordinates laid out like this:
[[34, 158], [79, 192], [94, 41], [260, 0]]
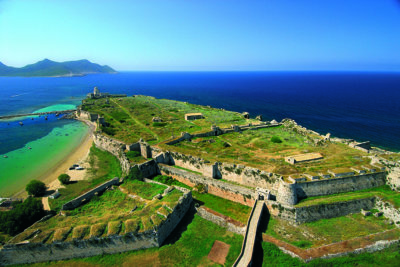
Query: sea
[[364, 106]]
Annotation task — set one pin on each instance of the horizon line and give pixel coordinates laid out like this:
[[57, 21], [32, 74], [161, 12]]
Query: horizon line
[[261, 70]]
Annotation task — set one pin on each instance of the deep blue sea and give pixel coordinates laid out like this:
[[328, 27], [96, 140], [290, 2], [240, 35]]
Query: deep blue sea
[[363, 106]]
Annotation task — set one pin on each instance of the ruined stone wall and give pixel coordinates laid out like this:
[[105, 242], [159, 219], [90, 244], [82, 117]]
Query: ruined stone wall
[[389, 211], [114, 147], [236, 173], [332, 210], [340, 185], [393, 178], [76, 202], [192, 163], [282, 211], [221, 220], [247, 176], [167, 226], [148, 169], [317, 212], [216, 187]]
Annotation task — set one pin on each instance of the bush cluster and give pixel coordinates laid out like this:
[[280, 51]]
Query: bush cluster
[[22, 216], [64, 178], [276, 139]]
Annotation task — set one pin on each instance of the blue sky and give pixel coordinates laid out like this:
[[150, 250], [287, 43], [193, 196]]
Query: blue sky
[[204, 35]]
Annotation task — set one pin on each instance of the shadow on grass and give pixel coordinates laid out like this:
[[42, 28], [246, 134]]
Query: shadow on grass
[[258, 253], [181, 227]]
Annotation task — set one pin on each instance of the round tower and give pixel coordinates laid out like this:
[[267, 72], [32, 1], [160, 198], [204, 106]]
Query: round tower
[[286, 193], [96, 92]]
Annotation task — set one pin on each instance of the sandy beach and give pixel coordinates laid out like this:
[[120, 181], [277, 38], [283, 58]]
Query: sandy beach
[[77, 156]]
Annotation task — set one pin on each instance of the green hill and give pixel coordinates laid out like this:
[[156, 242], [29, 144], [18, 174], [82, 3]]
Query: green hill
[[48, 68]]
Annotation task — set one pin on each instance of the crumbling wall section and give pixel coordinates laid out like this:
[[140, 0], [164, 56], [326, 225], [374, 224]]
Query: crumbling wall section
[[389, 210], [393, 178]]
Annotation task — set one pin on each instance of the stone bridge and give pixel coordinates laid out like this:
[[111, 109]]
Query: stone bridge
[[246, 255], [39, 113]]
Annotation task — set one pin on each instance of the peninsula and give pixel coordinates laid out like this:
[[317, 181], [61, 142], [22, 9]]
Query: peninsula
[[49, 68], [207, 182]]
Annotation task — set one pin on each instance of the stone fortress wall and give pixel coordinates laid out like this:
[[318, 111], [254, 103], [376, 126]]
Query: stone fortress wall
[[26, 252], [286, 194], [225, 190], [290, 193]]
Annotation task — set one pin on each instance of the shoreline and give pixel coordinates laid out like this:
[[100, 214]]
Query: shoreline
[[79, 154]]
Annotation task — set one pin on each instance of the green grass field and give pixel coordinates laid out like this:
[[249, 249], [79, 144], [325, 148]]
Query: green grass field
[[104, 166], [273, 256], [326, 231], [130, 119], [142, 189], [255, 148], [226, 207]]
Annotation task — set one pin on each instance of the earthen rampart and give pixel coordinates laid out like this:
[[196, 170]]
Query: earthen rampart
[[22, 253]]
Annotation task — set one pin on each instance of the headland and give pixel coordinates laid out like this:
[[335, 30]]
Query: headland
[[246, 175]]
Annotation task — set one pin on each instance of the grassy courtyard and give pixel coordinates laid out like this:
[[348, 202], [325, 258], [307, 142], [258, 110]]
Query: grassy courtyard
[[130, 118], [255, 148]]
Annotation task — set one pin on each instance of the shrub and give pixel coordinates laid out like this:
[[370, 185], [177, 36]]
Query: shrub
[[159, 124], [200, 188], [108, 130], [64, 178], [35, 188], [23, 215], [133, 154], [276, 139]]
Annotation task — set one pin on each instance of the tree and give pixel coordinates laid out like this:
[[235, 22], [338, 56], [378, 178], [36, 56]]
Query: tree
[[64, 178], [35, 188], [22, 216], [276, 139]]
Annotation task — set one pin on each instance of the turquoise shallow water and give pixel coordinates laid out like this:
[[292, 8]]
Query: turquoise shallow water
[[25, 164]]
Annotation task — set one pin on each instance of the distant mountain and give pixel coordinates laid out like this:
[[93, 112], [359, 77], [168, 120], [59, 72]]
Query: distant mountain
[[50, 68]]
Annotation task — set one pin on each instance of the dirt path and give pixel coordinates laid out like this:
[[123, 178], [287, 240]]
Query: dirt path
[[135, 120], [45, 202]]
